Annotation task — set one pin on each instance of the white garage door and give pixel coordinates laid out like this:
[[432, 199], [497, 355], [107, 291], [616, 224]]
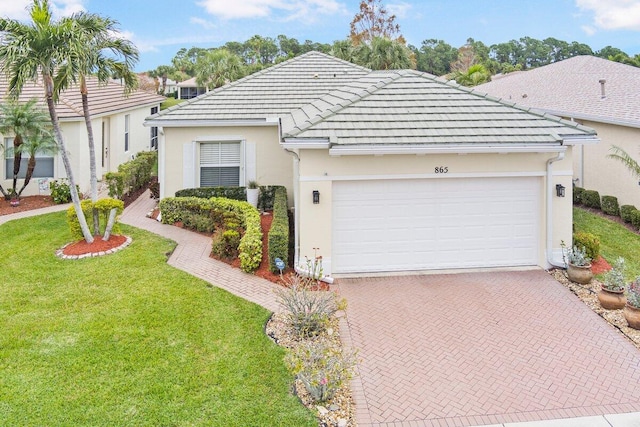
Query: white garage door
[[421, 224]]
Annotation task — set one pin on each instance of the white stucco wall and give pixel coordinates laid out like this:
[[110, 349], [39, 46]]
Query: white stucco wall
[[607, 176]]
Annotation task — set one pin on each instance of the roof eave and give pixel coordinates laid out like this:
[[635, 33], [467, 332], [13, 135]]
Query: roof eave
[[269, 121], [447, 149]]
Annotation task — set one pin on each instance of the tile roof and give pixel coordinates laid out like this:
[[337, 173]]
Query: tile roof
[[272, 92], [319, 96], [103, 98], [571, 88], [410, 107]]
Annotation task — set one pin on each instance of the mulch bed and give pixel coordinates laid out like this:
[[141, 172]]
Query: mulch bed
[[98, 245], [26, 204]]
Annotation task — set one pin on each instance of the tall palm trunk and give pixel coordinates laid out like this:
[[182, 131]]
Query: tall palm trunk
[[31, 166], [92, 152], [48, 83], [17, 159]]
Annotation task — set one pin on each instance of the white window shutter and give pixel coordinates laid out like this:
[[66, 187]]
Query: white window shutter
[[250, 162], [188, 165]]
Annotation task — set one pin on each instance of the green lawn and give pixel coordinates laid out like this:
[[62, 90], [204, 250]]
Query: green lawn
[[170, 102], [615, 239], [126, 340]]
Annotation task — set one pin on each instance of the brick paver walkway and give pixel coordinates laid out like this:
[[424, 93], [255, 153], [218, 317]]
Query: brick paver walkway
[[192, 256], [476, 349]]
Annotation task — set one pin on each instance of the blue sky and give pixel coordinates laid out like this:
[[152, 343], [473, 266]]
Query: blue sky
[[159, 28]]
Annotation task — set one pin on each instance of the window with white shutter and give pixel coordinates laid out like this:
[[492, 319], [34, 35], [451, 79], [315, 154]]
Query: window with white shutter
[[219, 164]]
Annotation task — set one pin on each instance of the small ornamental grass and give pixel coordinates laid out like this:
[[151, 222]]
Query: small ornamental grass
[[321, 368], [307, 311]]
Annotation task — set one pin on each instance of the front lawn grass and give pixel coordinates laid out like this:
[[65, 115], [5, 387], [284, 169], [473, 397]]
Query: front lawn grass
[[615, 239], [127, 340]]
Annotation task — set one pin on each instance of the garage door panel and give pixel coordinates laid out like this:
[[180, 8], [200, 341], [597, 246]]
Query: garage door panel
[[432, 224]]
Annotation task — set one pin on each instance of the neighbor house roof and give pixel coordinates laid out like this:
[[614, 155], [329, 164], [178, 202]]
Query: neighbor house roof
[[572, 88], [410, 107], [103, 98], [272, 92], [188, 83]]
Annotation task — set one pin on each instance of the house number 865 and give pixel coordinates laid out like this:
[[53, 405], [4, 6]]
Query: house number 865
[[441, 169]]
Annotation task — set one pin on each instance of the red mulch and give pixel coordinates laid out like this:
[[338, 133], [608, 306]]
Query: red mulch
[[600, 266], [26, 204], [98, 245]]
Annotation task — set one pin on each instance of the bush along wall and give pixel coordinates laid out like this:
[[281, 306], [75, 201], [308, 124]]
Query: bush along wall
[[591, 199], [265, 201], [626, 211], [132, 175], [577, 195], [222, 212], [610, 205], [278, 239]]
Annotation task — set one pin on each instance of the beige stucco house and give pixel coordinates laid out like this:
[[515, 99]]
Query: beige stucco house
[[387, 171], [598, 93], [118, 130]]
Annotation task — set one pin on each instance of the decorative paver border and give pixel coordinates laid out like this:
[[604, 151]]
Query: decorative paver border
[[60, 252]]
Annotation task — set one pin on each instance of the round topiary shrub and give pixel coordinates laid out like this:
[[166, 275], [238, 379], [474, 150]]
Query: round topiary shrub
[[626, 211], [610, 205], [577, 195], [590, 242], [591, 199]]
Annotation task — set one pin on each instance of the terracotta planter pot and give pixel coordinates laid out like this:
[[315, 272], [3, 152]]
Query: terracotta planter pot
[[580, 274], [612, 300], [632, 315]]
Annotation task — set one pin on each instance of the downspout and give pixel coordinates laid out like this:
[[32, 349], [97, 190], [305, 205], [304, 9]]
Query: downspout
[[549, 192]]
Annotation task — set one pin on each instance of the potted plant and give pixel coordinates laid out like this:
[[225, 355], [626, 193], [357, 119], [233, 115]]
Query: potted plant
[[578, 265], [632, 308], [253, 193], [611, 294]]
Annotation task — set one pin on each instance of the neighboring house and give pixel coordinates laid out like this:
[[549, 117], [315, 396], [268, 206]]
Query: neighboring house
[[598, 93], [387, 170], [189, 89], [117, 126]]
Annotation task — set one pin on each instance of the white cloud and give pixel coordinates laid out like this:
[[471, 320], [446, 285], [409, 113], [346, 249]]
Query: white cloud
[[613, 14], [284, 10], [202, 22], [588, 30], [400, 9], [18, 9]]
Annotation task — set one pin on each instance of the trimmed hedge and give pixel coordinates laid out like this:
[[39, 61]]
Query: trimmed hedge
[[278, 239], [635, 219], [591, 199], [132, 175], [103, 206], [265, 201], [173, 209], [577, 195], [610, 205], [590, 242], [626, 211]]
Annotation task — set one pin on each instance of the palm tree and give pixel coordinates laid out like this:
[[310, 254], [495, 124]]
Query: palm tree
[[473, 76], [385, 54], [25, 121], [38, 143], [32, 52], [622, 156], [99, 54], [217, 68]]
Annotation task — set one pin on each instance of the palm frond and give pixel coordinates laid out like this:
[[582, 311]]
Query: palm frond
[[623, 157]]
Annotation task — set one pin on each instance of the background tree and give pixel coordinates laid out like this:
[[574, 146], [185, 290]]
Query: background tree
[[473, 76], [25, 121], [435, 57], [385, 54], [218, 67], [373, 20], [162, 72], [38, 143], [33, 52]]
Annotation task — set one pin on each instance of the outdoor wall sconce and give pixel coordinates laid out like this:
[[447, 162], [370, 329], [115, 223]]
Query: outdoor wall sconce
[[316, 197], [560, 190]]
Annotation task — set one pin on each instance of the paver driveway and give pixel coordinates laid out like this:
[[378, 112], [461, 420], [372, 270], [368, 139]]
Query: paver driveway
[[483, 348]]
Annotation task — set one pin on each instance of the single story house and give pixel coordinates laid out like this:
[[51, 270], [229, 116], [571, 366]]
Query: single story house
[[118, 129], [189, 88], [598, 93], [387, 171]]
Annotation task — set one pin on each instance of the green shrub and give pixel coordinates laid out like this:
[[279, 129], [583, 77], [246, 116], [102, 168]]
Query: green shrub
[[577, 195], [266, 200], [591, 199], [234, 193], [589, 242], [103, 206], [115, 183], [250, 246], [610, 205], [635, 219], [278, 239], [60, 191], [198, 222], [626, 211], [132, 175]]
